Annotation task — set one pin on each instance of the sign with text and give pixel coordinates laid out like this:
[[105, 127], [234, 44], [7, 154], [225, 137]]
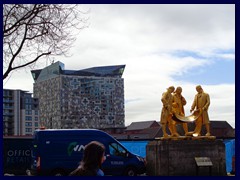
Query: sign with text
[[203, 161]]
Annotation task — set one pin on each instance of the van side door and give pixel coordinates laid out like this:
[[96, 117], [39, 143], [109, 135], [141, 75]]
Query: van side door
[[116, 159]]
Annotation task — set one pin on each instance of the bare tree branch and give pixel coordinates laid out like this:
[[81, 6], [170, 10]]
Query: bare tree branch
[[35, 31]]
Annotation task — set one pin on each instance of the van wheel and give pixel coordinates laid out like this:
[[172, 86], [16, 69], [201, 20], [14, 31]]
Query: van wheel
[[130, 171], [58, 172]]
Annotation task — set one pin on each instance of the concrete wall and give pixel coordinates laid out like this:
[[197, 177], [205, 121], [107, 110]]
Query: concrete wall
[[177, 157]]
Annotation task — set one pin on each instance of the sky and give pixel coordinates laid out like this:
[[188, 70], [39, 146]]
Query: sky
[[161, 45]]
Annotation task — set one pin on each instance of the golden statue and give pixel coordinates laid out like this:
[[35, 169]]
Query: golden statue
[[201, 104], [166, 113], [173, 112], [180, 102]]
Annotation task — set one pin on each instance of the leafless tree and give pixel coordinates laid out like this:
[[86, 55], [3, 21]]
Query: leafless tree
[[34, 31]]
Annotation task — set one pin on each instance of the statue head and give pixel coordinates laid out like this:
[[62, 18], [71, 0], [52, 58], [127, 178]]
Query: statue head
[[199, 89], [171, 88], [178, 90]]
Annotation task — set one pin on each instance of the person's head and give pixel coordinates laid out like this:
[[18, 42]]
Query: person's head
[[178, 90], [93, 155], [171, 89], [199, 89]]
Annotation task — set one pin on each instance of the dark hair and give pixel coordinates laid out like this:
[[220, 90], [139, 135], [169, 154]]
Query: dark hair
[[92, 160]]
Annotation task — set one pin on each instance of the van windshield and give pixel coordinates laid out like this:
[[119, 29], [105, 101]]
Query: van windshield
[[117, 150]]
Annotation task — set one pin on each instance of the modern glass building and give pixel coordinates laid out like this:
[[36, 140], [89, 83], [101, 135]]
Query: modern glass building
[[20, 113], [88, 98]]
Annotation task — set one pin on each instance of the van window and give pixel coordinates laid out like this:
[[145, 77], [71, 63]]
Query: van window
[[116, 150]]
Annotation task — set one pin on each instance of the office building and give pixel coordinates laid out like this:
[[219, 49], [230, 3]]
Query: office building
[[20, 113], [88, 98]]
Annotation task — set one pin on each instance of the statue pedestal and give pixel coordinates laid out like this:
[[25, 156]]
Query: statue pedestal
[[172, 157]]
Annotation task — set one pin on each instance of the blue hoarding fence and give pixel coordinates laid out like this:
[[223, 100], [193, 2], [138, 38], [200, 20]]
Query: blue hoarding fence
[[230, 152], [136, 147]]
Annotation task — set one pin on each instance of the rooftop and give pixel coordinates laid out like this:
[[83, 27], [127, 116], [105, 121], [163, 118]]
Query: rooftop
[[57, 69]]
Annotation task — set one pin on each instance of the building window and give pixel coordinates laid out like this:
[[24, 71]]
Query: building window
[[28, 112], [28, 130], [36, 124], [28, 100], [28, 124], [28, 107], [28, 118]]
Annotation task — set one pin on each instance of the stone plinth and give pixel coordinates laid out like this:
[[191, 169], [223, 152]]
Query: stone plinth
[[177, 157]]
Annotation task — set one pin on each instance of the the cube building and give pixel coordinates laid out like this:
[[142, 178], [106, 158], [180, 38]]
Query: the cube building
[[88, 98]]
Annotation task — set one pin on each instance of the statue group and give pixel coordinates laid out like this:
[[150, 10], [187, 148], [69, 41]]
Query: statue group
[[173, 112]]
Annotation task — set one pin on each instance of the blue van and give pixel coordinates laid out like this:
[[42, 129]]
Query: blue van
[[57, 152]]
